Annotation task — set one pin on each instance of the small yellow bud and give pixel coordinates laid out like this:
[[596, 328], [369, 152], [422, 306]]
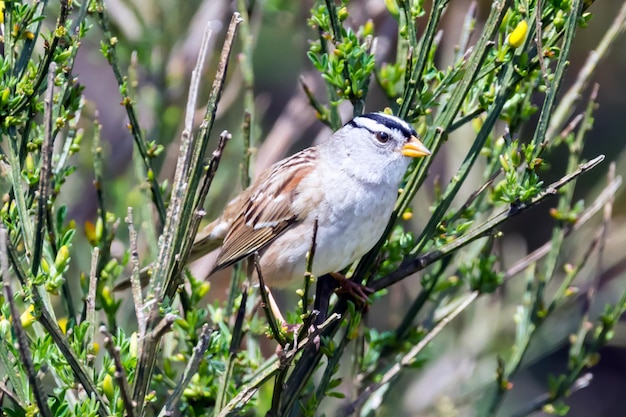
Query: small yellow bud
[[504, 162], [517, 37], [27, 318], [368, 28], [107, 387], [6, 93], [342, 14], [407, 215], [392, 6], [62, 322], [99, 229], [29, 163], [204, 288], [44, 266], [63, 256], [106, 294]]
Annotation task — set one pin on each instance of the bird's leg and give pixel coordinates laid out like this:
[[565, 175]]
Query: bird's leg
[[326, 286], [359, 292]]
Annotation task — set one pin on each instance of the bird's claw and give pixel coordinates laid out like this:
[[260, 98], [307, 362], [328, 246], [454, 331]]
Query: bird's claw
[[358, 292]]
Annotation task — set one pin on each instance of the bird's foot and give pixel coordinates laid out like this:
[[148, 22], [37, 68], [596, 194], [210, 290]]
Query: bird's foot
[[358, 292]]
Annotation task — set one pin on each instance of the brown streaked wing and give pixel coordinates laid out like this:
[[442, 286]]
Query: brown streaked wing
[[268, 211]]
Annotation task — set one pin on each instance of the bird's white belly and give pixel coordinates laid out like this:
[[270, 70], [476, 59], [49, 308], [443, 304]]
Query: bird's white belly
[[349, 230]]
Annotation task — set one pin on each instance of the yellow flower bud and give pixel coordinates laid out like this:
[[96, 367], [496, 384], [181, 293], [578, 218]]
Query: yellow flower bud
[[63, 256], [107, 387], [517, 37], [62, 322], [342, 14], [27, 318], [204, 288], [44, 266], [392, 6]]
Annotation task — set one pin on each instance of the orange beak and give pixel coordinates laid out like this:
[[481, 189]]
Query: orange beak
[[414, 148]]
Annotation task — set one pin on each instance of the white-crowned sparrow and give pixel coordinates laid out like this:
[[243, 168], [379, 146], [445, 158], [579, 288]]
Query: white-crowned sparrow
[[347, 184]]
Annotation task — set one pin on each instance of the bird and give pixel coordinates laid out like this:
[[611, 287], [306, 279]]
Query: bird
[[345, 188]]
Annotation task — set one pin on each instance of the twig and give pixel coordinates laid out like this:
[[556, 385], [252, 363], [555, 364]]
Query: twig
[[547, 398], [419, 263], [275, 330], [44, 173], [196, 180], [135, 279], [538, 41], [11, 395], [567, 103], [606, 219], [235, 341], [110, 54], [90, 301], [189, 372], [410, 356], [308, 275], [607, 194], [547, 112], [47, 61], [415, 82], [247, 149], [120, 374], [188, 193], [469, 24], [247, 391], [52, 328], [163, 327], [22, 339]]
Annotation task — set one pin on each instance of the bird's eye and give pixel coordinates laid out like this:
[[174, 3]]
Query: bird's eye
[[382, 137]]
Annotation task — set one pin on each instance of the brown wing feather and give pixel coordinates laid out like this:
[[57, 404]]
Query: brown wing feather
[[268, 211]]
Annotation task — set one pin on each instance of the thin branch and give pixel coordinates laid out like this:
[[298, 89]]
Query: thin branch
[[52, 328], [11, 396], [90, 301], [246, 392], [47, 61], [568, 102], [135, 129], [192, 367], [606, 219], [275, 329], [120, 374], [188, 193], [22, 339], [547, 398], [607, 194], [308, 275], [135, 280], [410, 356], [163, 327], [538, 41], [44, 173], [421, 262]]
